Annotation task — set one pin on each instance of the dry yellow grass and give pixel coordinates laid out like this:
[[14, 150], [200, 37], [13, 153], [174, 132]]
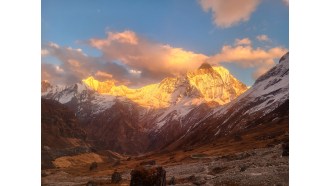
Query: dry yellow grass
[[69, 161]]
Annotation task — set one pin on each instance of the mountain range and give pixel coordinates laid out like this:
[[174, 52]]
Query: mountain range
[[178, 112]]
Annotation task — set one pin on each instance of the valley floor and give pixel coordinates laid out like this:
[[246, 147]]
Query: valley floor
[[254, 158]]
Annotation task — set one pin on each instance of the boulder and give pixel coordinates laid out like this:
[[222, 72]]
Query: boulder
[[172, 181], [218, 170], [148, 175], [93, 166], [199, 182], [192, 178], [116, 177], [243, 168], [92, 183]]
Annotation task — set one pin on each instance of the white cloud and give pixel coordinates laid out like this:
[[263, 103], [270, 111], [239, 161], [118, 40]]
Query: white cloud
[[126, 37], [125, 56], [244, 41], [76, 65], [132, 60], [249, 57], [44, 52], [150, 58], [59, 69], [263, 37], [135, 71], [227, 13]]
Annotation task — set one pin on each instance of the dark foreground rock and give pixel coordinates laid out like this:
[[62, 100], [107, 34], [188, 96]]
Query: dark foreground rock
[[148, 176], [91, 183], [116, 177], [172, 181]]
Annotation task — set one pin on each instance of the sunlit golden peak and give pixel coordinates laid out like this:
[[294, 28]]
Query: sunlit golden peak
[[205, 84], [221, 70], [100, 87]]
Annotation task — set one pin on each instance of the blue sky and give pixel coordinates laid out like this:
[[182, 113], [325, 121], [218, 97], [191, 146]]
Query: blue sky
[[178, 24]]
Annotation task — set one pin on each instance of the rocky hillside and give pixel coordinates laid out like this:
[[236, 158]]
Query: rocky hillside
[[60, 132]]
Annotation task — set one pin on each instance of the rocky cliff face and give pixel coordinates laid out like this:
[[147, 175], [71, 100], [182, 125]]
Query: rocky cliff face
[[216, 84]]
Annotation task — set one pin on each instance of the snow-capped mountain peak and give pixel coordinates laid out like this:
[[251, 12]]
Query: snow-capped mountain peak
[[207, 83]]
